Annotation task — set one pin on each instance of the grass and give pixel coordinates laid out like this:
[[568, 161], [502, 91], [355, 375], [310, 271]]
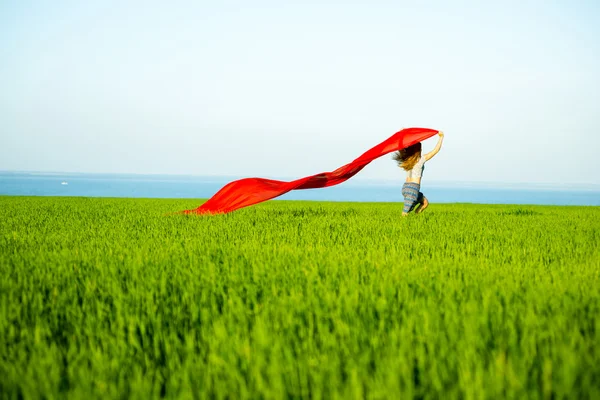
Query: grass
[[110, 298]]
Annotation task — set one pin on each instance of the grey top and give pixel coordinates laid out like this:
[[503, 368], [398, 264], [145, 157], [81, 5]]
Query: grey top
[[417, 170]]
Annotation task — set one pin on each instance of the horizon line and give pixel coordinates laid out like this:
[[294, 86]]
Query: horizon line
[[372, 181]]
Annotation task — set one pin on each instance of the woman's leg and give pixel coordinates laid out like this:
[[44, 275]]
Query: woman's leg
[[424, 203], [409, 204], [410, 191]]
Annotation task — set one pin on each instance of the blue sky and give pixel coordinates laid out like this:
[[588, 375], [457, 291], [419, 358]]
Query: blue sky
[[288, 89]]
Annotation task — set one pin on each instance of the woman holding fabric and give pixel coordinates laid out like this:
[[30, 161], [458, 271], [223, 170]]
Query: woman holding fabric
[[411, 160]]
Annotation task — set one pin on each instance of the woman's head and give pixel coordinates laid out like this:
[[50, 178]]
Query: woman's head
[[408, 157]]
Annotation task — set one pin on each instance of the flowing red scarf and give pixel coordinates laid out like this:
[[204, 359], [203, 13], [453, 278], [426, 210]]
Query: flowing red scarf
[[250, 191]]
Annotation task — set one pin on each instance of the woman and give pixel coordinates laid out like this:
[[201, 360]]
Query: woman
[[411, 160]]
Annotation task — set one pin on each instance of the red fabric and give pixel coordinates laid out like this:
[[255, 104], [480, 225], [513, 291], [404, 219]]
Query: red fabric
[[250, 191]]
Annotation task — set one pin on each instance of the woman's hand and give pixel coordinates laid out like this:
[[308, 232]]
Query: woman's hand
[[437, 148]]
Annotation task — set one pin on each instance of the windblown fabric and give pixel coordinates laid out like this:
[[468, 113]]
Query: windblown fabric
[[250, 191]]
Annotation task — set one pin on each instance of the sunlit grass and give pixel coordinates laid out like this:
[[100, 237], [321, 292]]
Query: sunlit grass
[[110, 298]]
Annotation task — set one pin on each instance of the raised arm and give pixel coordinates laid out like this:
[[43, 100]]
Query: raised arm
[[437, 148]]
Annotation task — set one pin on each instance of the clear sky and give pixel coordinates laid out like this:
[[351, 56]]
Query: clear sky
[[288, 89]]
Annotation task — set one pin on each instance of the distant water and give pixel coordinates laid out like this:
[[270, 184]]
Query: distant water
[[169, 186]]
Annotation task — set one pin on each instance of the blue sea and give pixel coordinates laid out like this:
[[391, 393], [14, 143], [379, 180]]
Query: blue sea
[[176, 186]]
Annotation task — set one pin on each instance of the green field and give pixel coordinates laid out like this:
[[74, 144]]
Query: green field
[[110, 298]]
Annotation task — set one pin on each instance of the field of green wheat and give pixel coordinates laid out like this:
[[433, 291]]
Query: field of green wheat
[[112, 298]]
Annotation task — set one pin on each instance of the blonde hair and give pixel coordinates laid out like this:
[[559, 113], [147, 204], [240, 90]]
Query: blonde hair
[[408, 157]]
